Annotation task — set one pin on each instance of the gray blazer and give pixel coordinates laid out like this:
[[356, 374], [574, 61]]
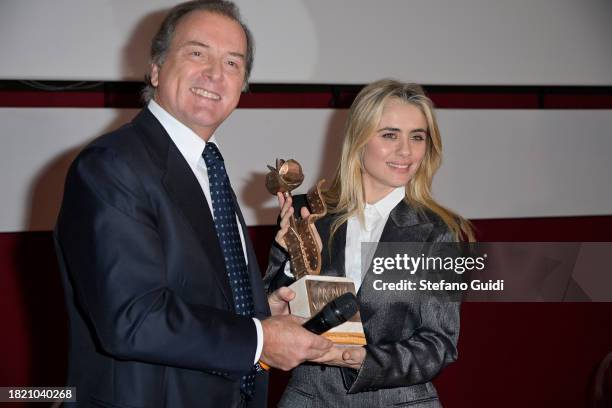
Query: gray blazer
[[411, 337]]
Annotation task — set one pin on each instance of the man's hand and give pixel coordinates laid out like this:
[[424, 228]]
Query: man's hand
[[351, 357], [279, 301], [287, 344]]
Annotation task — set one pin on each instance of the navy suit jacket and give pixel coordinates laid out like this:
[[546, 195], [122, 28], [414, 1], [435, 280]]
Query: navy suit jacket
[[152, 321]]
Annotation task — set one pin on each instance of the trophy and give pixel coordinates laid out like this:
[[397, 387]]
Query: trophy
[[313, 291]]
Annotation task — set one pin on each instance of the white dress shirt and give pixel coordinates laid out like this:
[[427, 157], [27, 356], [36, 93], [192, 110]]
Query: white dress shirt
[[376, 216], [191, 147]]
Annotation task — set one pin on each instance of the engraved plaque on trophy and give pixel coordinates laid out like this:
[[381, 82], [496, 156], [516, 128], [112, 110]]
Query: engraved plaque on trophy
[[313, 291]]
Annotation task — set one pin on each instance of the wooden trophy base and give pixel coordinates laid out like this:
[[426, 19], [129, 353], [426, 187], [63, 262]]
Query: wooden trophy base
[[313, 292]]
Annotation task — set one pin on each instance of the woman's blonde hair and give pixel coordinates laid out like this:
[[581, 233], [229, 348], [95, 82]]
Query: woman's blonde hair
[[346, 195]]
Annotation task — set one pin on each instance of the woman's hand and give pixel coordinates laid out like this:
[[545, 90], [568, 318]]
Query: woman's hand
[[286, 212], [351, 357]]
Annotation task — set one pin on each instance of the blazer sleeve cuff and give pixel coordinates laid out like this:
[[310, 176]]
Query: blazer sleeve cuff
[[361, 380]]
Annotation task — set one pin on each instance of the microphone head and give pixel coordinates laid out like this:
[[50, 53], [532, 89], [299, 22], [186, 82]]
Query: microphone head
[[345, 306], [332, 314]]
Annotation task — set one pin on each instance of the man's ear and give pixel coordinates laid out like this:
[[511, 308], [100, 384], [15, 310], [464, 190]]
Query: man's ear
[[154, 75]]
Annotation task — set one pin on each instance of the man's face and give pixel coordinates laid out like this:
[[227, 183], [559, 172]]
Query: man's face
[[200, 81]]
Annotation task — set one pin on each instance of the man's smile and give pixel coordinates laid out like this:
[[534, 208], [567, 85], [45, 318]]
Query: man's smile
[[205, 93]]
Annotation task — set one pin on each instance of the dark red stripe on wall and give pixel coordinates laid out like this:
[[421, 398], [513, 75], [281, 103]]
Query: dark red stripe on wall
[[24, 94], [551, 229], [42, 99], [576, 100]]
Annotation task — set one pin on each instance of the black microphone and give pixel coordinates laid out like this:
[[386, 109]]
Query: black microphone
[[333, 314]]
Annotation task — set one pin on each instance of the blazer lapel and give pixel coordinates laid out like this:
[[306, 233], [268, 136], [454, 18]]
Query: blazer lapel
[[184, 189], [405, 224]]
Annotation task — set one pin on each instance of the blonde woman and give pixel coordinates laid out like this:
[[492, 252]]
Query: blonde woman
[[381, 193]]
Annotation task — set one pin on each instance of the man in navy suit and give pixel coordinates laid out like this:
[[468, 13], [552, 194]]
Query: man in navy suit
[[166, 310]]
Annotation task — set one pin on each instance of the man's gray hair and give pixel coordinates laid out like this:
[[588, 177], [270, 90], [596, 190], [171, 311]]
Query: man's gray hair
[[162, 39]]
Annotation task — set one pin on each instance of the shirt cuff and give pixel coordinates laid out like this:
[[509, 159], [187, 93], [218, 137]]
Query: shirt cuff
[[260, 340], [288, 269]]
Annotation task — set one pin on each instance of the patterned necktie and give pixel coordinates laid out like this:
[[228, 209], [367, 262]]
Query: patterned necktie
[[224, 214]]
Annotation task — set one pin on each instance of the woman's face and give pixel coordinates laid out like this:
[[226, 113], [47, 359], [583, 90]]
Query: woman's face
[[395, 150]]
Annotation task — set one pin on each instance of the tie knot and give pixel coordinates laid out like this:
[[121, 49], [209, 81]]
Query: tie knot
[[211, 154]]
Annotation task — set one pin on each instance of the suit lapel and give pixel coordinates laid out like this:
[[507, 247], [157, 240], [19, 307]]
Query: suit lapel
[[185, 191], [405, 224]]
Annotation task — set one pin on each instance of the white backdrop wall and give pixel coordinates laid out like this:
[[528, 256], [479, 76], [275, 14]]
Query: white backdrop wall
[[514, 42], [498, 163]]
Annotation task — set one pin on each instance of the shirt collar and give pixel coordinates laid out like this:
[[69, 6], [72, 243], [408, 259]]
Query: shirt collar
[[384, 206], [186, 140]]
